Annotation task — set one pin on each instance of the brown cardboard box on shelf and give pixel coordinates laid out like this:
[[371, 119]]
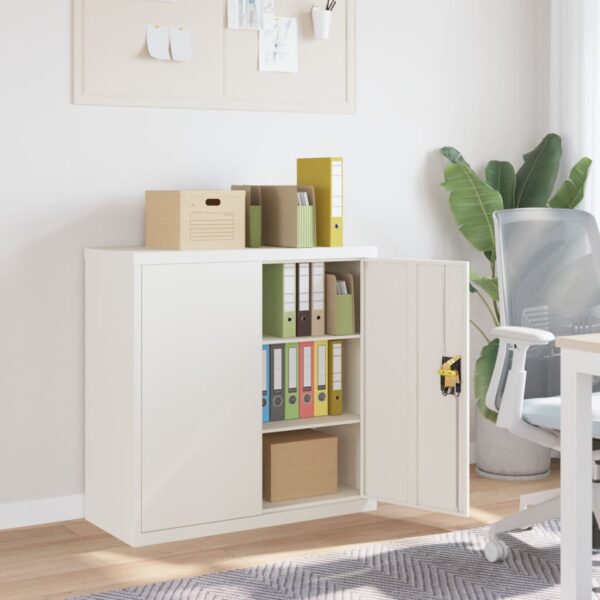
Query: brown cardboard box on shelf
[[284, 223], [195, 220], [299, 464]]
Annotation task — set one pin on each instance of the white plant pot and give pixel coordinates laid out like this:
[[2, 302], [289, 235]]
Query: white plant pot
[[321, 23], [502, 455]]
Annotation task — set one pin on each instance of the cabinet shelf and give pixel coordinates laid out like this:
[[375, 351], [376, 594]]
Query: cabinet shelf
[[343, 493], [269, 339], [311, 423]]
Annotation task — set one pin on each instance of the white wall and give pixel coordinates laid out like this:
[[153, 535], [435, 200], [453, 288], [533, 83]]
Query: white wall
[[430, 72]]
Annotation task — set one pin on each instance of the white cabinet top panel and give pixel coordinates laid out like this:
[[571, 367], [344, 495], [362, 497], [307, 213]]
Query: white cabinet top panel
[[147, 256]]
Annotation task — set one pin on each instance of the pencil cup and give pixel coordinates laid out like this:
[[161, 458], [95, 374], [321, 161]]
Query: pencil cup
[[321, 23]]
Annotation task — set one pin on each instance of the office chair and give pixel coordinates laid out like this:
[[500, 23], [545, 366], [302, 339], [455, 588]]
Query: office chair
[[548, 264]]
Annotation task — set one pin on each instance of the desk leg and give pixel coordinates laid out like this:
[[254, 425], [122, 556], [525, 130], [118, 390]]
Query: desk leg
[[576, 480]]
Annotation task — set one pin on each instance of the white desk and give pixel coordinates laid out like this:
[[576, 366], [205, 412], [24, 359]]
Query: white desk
[[580, 359]]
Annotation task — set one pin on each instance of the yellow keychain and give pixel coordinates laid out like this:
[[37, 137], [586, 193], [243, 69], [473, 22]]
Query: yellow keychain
[[450, 376]]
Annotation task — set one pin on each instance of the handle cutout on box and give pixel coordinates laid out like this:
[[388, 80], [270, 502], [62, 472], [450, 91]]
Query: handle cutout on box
[[213, 202]]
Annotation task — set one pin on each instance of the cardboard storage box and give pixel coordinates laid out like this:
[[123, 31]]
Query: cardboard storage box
[[339, 308], [285, 223], [299, 464], [195, 220]]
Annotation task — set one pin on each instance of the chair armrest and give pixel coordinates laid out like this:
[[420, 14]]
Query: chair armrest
[[523, 335]]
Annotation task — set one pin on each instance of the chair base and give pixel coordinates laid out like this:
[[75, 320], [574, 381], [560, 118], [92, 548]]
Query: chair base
[[535, 508], [496, 549], [535, 477]]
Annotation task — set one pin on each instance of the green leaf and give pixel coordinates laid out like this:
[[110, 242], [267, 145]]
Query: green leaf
[[472, 202], [487, 284], [537, 176], [453, 155], [484, 367], [501, 176], [570, 193]]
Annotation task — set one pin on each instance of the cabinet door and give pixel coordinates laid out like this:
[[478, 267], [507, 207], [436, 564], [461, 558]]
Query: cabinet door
[[416, 439], [201, 389]]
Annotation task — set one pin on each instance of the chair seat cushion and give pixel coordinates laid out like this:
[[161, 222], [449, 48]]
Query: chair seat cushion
[[545, 412]]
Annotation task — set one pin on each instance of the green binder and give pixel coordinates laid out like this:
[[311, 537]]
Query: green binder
[[279, 300], [291, 391]]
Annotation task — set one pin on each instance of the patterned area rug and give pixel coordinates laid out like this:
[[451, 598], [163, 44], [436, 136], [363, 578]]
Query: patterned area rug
[[449, 566]]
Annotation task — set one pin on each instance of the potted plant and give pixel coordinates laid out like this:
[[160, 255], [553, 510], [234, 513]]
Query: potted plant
[[473, 200]]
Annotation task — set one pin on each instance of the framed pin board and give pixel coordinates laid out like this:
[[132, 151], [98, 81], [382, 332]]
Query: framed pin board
[[112, 65]]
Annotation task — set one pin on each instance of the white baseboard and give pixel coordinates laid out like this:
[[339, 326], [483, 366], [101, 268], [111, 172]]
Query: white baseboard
[[38, 512], [67, 508]]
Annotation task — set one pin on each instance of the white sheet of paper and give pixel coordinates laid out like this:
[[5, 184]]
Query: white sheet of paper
[[181, 44], [278, 45], [268, 8], [248, 14], [157, 38]]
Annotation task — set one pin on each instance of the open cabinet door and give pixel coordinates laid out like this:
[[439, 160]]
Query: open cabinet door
[[416, 439]]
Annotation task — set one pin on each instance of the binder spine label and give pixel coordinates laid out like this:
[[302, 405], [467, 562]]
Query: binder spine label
[[337, 367], [322, 367], [303, 287], [289, 287], [318, 289], [306, 385], [337, 189]]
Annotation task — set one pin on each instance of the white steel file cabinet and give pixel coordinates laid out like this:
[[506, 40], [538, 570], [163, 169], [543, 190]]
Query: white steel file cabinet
[[173, 430]]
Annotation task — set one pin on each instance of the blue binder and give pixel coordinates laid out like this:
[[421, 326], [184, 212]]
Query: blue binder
[[266, 401]]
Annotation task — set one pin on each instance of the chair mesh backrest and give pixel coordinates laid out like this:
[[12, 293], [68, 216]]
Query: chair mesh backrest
[[548, 264]]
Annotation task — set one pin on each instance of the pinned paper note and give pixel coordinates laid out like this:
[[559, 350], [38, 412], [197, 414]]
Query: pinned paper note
[[249, 14], [278, 45], [157, 38], [181, 43]]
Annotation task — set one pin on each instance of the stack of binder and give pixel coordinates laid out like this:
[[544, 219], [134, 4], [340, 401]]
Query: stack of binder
[[294, 300], [302, 380]]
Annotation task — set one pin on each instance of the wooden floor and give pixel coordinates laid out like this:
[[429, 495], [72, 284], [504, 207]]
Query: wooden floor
[[72, 558]]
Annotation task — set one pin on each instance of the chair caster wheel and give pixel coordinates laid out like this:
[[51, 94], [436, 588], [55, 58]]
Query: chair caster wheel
[[496, 550]]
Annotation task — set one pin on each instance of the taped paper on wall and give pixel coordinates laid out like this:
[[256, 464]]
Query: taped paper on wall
[[157, 39], [278, 45], [249, 14], [181, 44]]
